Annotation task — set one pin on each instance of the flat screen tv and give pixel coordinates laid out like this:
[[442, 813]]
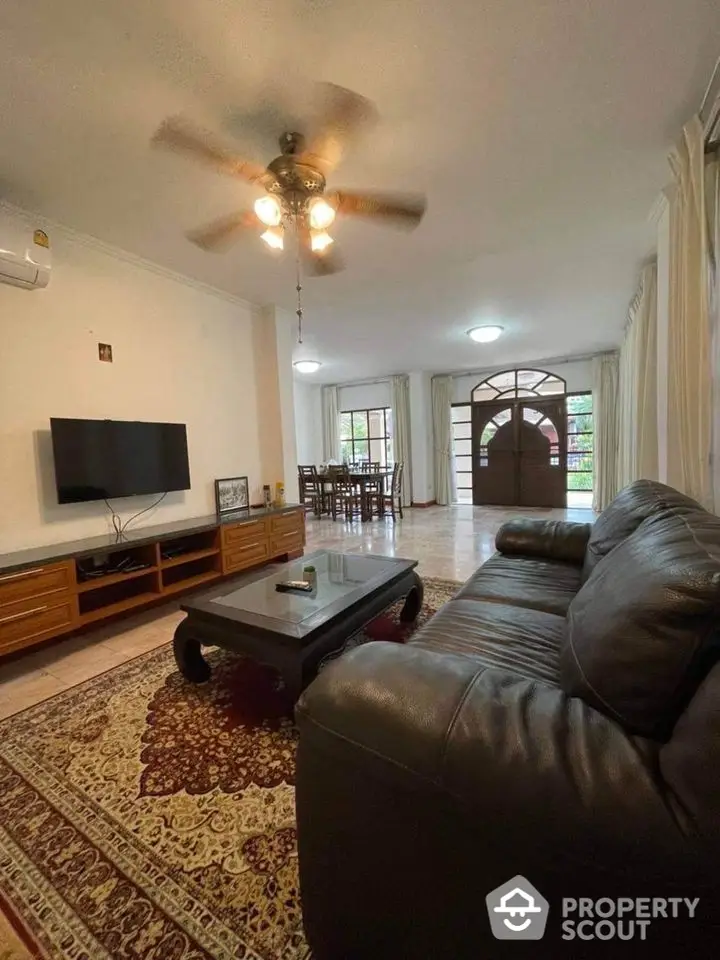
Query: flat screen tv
[[100, 459]]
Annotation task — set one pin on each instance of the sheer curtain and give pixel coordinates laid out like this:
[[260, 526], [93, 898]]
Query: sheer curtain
[[605, 429], [637, 386], [400, 387], [330, 423], [441, 389], [689, 333]]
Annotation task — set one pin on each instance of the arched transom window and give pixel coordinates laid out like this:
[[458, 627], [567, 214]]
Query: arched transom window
[[516, 384]]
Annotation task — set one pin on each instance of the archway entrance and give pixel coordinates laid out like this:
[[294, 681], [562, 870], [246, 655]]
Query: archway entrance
[[519, 444]]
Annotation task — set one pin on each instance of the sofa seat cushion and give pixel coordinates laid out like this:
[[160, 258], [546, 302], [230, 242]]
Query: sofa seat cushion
[[540, 584], [634, 504], [521, 641], [643, 631]]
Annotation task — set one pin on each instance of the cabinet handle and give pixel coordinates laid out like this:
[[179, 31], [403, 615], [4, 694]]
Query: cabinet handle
[[249, 546], [25, 613], [23, 573], [292, 533]]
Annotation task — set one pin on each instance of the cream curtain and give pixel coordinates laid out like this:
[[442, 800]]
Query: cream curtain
[[605, 429], [637, 386], [400, 392], [689, 333], [441, 390], [330, 423], [712, 206]]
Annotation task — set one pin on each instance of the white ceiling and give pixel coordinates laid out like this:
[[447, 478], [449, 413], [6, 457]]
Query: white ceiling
[[539, 130]]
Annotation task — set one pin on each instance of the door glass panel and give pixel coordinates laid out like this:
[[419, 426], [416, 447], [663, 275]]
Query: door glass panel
[[462, 448], [580, 423], [529, 378], [463, 463], [503, 381], [462, 431], [488, 433], [460, 413], [484, 393], [532, 416], [547, 428], [503, 417], [551, 386]]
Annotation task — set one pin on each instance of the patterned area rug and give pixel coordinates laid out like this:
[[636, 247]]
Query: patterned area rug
[[144, 817]]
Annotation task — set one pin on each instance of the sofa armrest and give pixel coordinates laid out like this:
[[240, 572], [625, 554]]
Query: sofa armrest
[[519, 750], [554, 539], [425, 780]]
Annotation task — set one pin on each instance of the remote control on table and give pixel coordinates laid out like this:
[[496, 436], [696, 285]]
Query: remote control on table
[[290, 586]]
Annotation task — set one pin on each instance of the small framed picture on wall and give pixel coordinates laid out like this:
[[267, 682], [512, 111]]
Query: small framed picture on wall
[[231, 493]]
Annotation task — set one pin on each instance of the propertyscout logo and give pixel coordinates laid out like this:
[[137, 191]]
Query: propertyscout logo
[[518, 911]]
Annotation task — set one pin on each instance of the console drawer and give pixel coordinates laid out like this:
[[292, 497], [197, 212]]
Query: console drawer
[[245, 555], [27, 622], [288, 542], [285, 522], [36, 582], [242, 532]]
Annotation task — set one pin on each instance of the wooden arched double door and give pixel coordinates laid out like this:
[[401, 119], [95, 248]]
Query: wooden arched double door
[[519, 452]]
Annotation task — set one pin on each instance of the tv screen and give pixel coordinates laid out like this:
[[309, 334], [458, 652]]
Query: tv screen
[[100, 459]]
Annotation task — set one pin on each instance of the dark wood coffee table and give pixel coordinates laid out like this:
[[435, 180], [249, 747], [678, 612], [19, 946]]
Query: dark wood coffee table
[[294, 632]]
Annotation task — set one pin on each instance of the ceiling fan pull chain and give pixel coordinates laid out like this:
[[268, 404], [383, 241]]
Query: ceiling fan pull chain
[[298, 286]]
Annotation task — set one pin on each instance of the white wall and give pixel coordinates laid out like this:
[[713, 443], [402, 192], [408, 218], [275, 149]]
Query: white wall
[[181, 353], [577, 374], [308, 422], [365, 396]]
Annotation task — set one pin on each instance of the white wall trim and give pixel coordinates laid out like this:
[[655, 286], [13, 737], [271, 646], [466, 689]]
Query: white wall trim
[[53, 226], [525, 364]]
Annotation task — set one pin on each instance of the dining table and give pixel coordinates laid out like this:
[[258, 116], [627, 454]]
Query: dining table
[[361, 479]]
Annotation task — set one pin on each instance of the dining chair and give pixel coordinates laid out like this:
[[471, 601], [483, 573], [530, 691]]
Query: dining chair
[[312, 492], [342, 497], [394, 496]]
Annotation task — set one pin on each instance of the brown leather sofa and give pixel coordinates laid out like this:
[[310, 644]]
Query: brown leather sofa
[[559, 719]]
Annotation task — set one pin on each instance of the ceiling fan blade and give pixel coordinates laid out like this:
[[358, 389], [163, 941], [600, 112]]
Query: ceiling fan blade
[[223, 232], [177, 133], [325, 262], [342, 115], [318, 263], [404, 210]]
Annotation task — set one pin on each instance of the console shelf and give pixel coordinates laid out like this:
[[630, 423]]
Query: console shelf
[[46, 592], [189, 557], [95, 583]]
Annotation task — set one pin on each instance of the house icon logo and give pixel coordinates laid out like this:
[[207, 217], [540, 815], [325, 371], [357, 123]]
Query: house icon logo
[[517, 911]]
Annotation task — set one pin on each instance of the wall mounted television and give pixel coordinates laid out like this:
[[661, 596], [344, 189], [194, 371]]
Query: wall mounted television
[[103, 459]]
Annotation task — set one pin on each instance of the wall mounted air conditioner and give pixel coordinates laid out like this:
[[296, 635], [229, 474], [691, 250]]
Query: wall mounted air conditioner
[[24, 254]]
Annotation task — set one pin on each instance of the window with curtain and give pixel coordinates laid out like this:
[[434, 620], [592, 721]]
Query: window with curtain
[[462, 451], [579, 449], [366, 435]]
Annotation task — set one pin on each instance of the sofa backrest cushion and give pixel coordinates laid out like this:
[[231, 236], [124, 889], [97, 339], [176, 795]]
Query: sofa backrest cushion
[[635, 503], [643, 631]]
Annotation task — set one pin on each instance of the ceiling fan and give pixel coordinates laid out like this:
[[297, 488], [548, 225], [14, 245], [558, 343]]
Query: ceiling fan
[[295, 198]]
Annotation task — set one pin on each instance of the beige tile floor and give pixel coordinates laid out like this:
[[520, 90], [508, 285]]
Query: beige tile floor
[[448, 542]]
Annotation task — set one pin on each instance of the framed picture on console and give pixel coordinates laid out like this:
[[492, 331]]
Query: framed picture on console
[[231, 494]]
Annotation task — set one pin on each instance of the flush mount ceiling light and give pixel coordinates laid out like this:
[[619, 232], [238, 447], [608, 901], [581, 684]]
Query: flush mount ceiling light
[[485, 334], [307, 366]]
